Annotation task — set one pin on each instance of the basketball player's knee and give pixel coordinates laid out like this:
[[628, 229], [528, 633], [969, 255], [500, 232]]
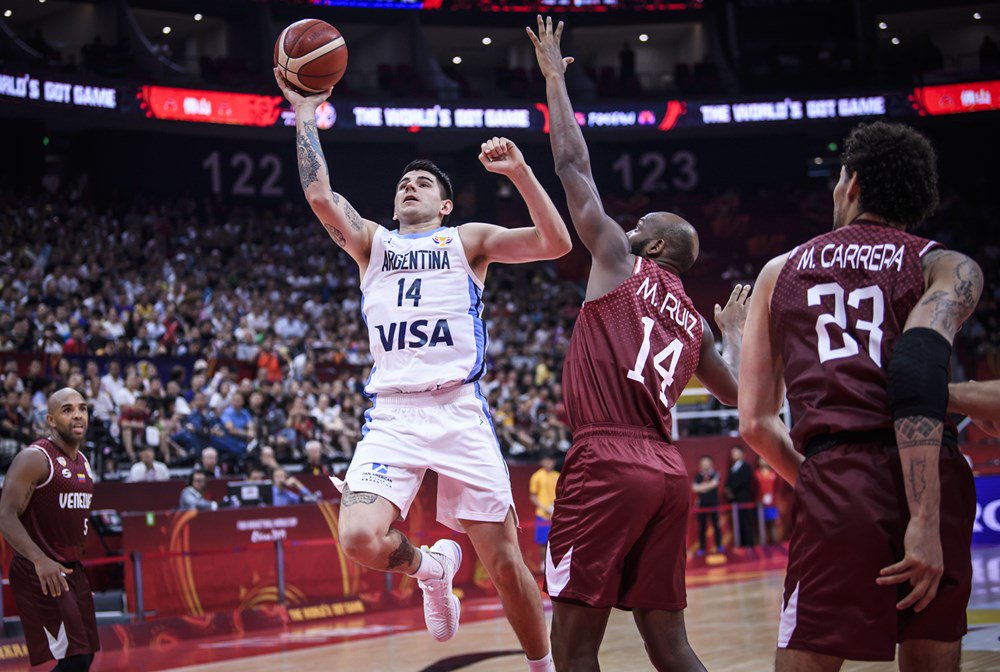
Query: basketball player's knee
[[507, 568], [360, 544]]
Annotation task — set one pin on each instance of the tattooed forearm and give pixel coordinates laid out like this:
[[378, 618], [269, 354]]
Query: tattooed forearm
[[917, 477], [404, 552], [350, 498], [310, 154], [919, 441]]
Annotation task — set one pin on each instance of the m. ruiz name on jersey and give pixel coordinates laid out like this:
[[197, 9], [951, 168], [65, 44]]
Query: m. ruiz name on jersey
[[74, 500], [852, 255], [670, 306], [393, 336], [418, 260]]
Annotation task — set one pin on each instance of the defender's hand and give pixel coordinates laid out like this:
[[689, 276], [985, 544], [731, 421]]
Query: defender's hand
[[732, 318], [550, 58], [297, 99], [501, 156], [52, 576], [921, 566]]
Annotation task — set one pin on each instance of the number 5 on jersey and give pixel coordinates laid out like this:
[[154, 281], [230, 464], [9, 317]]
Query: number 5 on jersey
[[673, 351]]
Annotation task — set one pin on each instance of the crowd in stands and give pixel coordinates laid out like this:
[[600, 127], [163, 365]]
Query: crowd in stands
[[192, 324]]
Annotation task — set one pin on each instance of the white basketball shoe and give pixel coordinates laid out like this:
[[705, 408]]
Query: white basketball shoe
[[441, 606]]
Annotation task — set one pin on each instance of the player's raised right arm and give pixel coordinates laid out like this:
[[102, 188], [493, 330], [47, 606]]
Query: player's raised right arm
[[601, 234], [27, 470], [347, 228]]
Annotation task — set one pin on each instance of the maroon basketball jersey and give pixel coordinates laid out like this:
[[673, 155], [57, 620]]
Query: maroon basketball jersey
[[839, 304], [58, 513], [633, 352]]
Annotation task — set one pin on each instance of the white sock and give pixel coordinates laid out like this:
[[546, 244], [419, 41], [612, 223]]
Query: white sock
[[543, 665], [430, 568]]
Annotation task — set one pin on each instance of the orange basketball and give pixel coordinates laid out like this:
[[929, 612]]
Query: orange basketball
[[312, 55]]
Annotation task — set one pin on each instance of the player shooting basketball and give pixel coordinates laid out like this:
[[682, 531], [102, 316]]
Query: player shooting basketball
[[422, 287]]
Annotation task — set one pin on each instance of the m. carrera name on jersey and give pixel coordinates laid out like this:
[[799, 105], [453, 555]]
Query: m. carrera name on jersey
[[417, 260], [854, 256], [74, 500]]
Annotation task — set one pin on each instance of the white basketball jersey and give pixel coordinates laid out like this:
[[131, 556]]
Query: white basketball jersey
[[423, 308]]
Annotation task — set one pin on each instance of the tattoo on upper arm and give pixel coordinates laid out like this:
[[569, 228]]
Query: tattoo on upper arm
[[403, 554], [310, 154], [350, 498], [353, 217], [913, 432], [950, 308], [335, 233]]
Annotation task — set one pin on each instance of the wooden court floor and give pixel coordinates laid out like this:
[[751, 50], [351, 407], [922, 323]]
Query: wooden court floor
[[732, 627]]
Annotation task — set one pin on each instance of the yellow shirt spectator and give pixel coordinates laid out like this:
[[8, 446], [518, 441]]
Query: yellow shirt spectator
[[543, 488]]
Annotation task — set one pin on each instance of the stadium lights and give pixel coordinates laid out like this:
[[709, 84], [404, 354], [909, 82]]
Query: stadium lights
[[166, 30], [977, 16], [198, 17], [895, 40], [487, 41], [457, 60], [818, 161], [8, 13], [644, 38], [882, 25]]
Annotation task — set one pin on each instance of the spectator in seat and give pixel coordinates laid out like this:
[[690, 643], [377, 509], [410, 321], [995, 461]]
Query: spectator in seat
[[288, 489], [134, 420], [193, 496], [314, 460], [706, 487], [238, 428], [209, 463], [148, 468]]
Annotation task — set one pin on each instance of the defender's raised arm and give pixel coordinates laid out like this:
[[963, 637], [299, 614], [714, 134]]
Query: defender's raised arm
[[602, 235]]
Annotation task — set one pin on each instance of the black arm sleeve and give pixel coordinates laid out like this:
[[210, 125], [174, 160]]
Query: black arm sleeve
[[917, 379]]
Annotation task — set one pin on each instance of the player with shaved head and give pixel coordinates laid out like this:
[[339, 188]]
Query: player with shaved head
[[44, 516], [619, 530]]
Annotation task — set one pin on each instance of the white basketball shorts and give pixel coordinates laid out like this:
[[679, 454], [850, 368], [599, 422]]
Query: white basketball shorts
[[447, 431]]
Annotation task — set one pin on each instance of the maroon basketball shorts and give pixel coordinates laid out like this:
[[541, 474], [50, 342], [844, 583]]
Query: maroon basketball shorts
[[619, 531], [54, 627], [849, 518]]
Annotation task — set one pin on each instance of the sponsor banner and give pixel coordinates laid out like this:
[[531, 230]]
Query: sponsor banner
[[956, 98], [215, 107], [986, 529]]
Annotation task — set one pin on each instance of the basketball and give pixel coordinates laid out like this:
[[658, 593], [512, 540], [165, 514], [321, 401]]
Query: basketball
[[312, 55]]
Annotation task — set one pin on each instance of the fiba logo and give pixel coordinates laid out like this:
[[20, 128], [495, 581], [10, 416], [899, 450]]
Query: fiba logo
[[326, 116]]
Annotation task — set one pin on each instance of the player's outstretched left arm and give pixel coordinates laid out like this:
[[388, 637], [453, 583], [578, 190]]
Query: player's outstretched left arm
[[547, 239], [347, 228], [917, 389], [762, 382], [718, 373], [27, 470]]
